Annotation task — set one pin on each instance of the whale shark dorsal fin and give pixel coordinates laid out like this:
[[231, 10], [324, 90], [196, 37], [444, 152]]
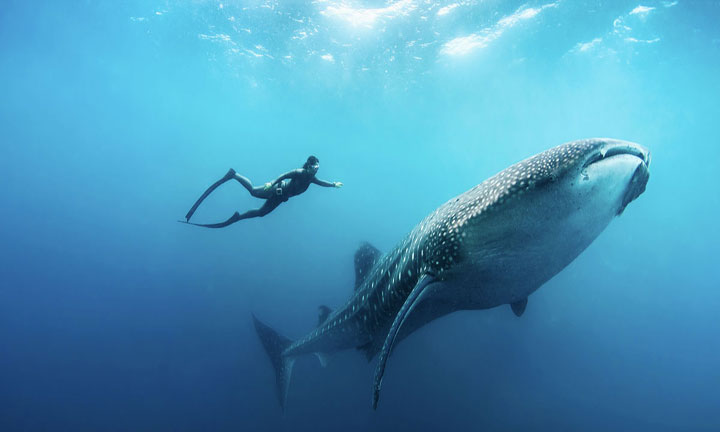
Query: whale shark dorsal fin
[[519, 306], [365, 258], [413, 299], [323, 313]]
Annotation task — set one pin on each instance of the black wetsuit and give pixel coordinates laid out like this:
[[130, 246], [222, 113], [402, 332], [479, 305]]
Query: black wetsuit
[[282, 189], [286, 186]]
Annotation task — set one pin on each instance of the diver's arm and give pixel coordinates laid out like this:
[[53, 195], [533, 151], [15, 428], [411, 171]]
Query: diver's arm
[[324, 183]]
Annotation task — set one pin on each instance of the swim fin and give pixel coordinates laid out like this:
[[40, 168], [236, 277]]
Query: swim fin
[[229, 176], [234, 218]]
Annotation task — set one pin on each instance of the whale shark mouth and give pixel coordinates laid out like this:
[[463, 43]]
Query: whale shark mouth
[[636, 187], [619, 150], [641, 175]]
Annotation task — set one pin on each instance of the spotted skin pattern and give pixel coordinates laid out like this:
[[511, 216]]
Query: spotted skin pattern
[[433, 247], [444, 247]]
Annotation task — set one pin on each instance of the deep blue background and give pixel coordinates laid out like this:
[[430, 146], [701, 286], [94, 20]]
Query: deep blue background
[[115, 117]]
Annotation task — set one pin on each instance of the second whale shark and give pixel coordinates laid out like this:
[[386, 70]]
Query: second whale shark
[[493, 245]]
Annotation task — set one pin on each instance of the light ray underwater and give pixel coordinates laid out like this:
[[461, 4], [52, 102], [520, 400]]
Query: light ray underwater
[[395, 215]]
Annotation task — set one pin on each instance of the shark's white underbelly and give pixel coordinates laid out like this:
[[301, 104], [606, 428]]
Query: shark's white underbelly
[[512, 253]]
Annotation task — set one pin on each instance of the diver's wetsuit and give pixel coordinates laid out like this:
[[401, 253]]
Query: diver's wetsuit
[[282, 189]]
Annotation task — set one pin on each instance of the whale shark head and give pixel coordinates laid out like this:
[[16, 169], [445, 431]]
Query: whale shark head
[[585, 177], [515, 230], [612, 171], [593, 175]]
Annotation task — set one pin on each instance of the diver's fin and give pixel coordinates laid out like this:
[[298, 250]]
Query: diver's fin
[[519, 306], [231, 220], [365, 258], [275, 344], [416, 295], [228, 176], [323, 313]]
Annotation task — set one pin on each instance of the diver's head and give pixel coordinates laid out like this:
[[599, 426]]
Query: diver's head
[[312, 165]]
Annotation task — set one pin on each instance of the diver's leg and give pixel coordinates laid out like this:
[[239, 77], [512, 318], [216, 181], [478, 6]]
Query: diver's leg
[[228, 176], [270, 205], [257, 192], [266, 208]]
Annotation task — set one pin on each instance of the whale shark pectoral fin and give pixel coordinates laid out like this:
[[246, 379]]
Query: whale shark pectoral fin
[[416, 295], [519, 306]]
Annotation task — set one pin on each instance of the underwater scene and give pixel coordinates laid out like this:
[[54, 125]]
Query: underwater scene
[[380, 215]]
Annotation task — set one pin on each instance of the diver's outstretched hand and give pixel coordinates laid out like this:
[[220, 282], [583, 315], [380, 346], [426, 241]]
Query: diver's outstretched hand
[[338, 184]]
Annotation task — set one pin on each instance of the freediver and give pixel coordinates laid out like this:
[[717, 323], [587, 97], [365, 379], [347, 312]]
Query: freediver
[[283, 188]]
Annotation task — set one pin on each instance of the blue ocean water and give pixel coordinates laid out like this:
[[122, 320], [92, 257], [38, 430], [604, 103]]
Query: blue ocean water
[[116, 115]]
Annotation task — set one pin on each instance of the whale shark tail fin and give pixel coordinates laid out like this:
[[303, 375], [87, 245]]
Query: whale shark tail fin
[[275, 344]]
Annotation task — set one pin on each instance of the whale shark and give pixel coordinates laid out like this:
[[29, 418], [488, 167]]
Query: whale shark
[[493, 245]]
